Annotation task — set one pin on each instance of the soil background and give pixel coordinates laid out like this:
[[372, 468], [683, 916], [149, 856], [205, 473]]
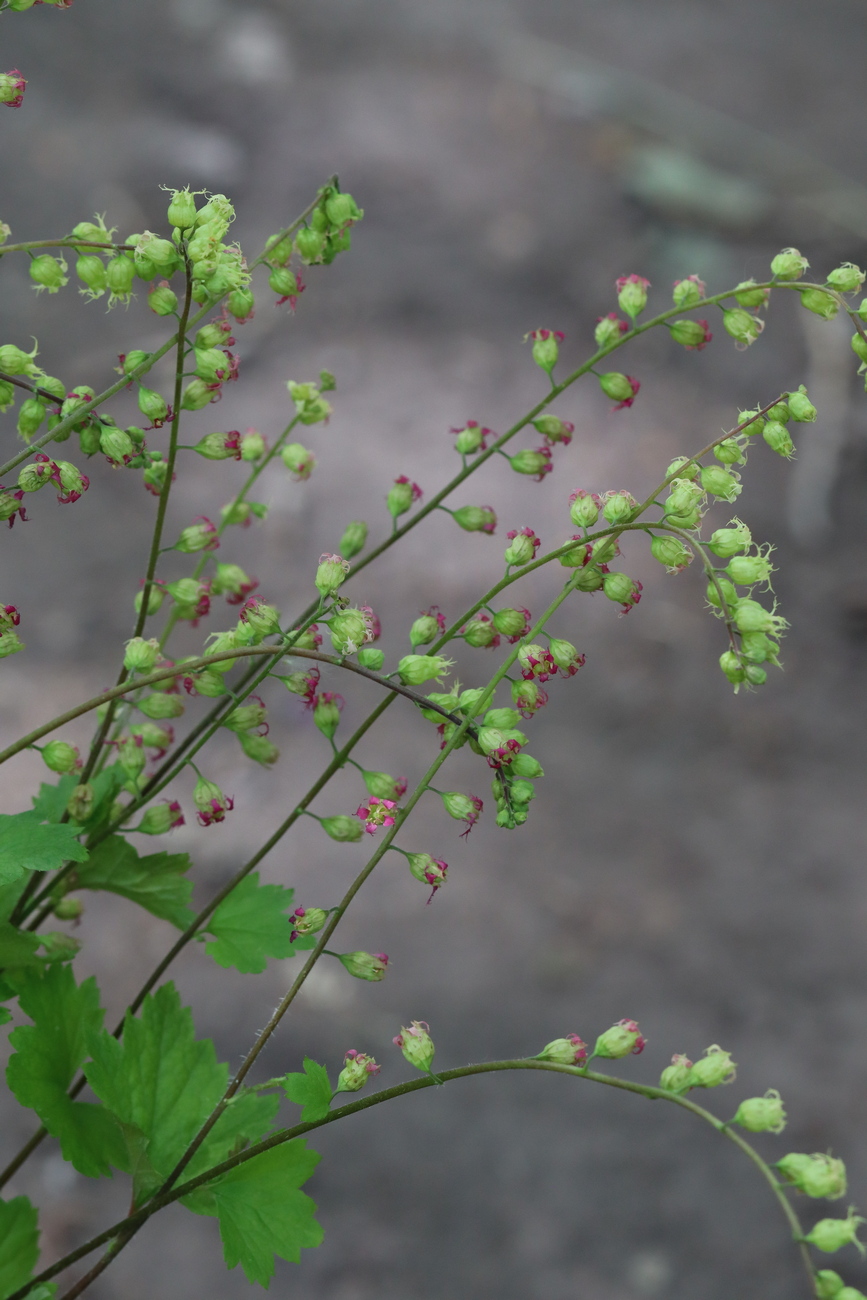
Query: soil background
[[693, 859]]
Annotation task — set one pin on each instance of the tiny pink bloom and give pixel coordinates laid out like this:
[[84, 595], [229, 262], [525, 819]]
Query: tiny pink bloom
[[547, 334], [624, 280], [417, 492], [622, 325], [634, 384], [376, 813]]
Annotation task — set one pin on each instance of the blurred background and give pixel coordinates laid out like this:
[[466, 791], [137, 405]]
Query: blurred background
[[693, 859]]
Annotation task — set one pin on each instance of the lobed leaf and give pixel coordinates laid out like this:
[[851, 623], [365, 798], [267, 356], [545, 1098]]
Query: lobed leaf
[[48, 1053], [251, 925], [311, 1090], [156, 882], [19, 1243], [28, 845]]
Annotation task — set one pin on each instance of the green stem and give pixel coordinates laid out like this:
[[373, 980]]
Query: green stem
[[124, 1229]]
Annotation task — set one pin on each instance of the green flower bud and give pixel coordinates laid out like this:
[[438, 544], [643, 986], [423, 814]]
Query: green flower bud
[[47, 272], [160, 819], [527, 767], [609, 329], [116, 444], [200, 536], [259, 748], [358, 1068], [671, 552], [31, 413], [415, 669], [820, 303], [131, 755], [832, 1234], [401, 496], [152, 406], [298, 460], [330, 574], [371, 657], [161, 705], [467, 701], [182, 210], [364, 965], [10, 644], [720, 482], [91, 269], [762, 1114], [742, 326], [342, 209], [801, 407], [618, 507], [687, 293], [622, 589], [714, 1068], [246, 717], [241, 304], [217, 642], [417, 1045], [733, 540], [209, 682], [197, 395], [747, 296], [475, 519], [60, 757], [163, 300], [565, 1051], [80, 805], [532, 462], [346, 830], [847, 278], [546, 350], [309, 245], [35, 476], [7, 395], [619, 387], [675, 1077], [730, 451], [750, 616], [384, 786], [512, 623], [14, 361], [480, 632], [828, 1284], [789, 265], [690, 333], [424, 629], [588, 577], [747, 569], [632, 294], [349, 630], [758, 648], [816, 1175], [141, 655], [683, 497], [732, 667], [326, 713], [622, 1039], [156, 596]]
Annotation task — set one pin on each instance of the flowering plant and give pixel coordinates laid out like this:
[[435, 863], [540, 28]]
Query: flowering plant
[[159, 1108]]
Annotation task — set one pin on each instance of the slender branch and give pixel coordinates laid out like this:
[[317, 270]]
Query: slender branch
[[67, 241], [125, 1228]]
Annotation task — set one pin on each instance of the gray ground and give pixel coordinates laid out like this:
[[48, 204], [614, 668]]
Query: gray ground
[[694, 860]]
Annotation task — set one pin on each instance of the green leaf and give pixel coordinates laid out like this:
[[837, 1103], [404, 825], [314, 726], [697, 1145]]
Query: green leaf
[[247, 1118], [158, 1079], [251, 925], [48, 1053], [51, 801], [262, 1213], [156, 882], [19, 1243], [25, 845], [17, 947], [310, 1090]]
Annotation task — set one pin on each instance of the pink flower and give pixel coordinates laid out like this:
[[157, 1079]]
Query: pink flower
[[640, 1041], [622, 325], [548, 334], [624, 280], [526, 531], [697, 347], [10, 504], [376, 813]]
